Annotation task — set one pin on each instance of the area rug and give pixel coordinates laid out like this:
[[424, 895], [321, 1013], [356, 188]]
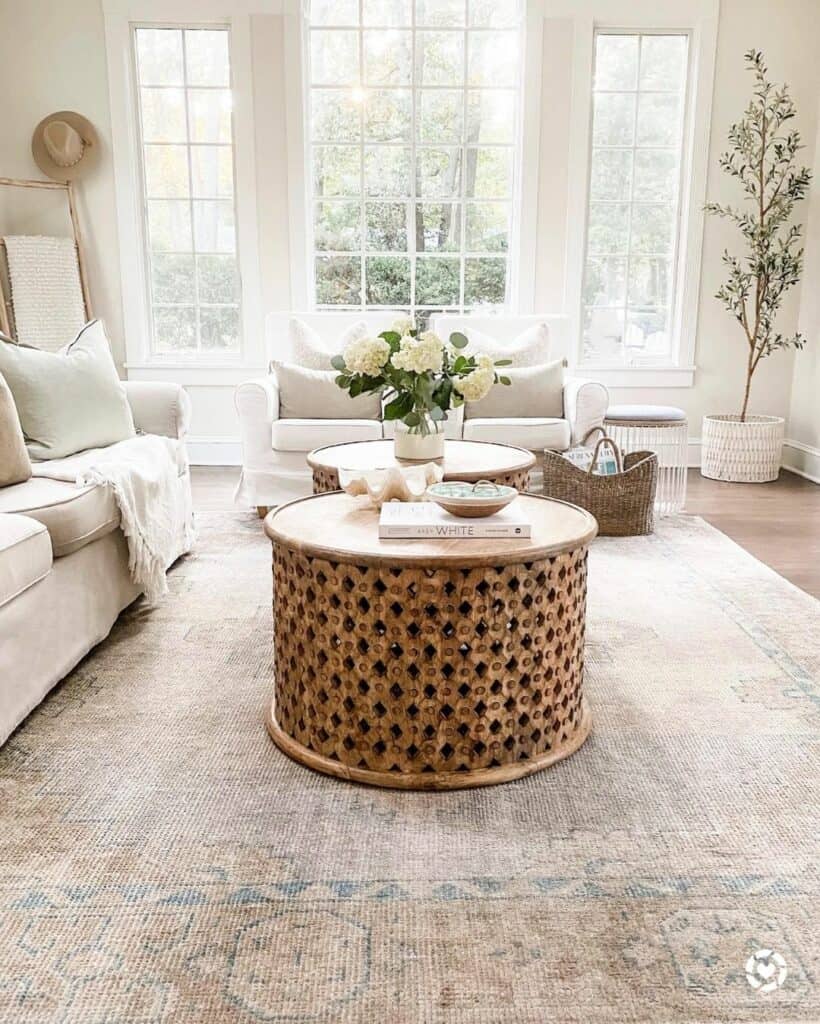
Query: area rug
[[161, 861]]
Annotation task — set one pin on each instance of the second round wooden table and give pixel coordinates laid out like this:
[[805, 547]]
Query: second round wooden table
[[434, 664], [463, 460]]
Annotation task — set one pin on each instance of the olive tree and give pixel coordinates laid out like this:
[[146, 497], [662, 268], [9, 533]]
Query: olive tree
[[762, 157]]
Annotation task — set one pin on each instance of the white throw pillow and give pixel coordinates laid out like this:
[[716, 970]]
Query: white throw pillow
[[531, 348], [310, 350], [535, 391], [306, 394], [68, 400]]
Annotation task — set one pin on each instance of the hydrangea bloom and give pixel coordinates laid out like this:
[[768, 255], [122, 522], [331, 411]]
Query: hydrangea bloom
[[404, 325], [476, 385], [366, 355], [419, 354]]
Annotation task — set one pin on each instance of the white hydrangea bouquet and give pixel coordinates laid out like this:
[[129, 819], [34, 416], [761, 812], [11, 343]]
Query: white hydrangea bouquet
[[420, 377]]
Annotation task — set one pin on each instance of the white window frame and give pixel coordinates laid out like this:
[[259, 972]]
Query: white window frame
[[121, 18], [699, 19], [519, 241]]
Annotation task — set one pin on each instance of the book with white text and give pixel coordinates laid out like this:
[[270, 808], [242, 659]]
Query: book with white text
[[422, 520]]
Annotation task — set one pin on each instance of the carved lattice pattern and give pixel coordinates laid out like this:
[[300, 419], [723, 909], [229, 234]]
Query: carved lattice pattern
[[409, 670]]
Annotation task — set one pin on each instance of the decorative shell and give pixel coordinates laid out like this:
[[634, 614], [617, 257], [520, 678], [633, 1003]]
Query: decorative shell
[[393, 483]]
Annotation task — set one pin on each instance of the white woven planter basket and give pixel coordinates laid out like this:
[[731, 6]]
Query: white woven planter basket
[[746, 452]]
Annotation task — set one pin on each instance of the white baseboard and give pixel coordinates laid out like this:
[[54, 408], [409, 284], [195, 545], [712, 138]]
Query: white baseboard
[[214, 451], [802, 459]]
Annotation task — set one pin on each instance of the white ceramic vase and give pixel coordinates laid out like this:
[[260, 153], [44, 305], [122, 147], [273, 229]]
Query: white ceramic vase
[[742, 452], [414, 446]]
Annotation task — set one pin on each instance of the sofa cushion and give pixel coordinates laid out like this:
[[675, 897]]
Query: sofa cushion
[[314, 394], [533, 391], [530, 348], [305, 435], [25, 555], [312, 351], [74, 516], [67, 400], [15, 466], [533, 432]]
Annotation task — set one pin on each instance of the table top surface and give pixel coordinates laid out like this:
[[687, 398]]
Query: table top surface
[[340, 528], [463, 460]]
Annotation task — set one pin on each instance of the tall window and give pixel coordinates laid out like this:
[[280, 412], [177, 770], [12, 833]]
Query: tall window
[[629, 295], [184, 80], [413, 111]]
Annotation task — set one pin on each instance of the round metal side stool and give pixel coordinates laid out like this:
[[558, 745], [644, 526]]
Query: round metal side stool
[[656, 428]]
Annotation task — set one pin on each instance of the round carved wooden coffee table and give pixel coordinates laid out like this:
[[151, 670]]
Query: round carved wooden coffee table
[[463, 460], [433, 664]]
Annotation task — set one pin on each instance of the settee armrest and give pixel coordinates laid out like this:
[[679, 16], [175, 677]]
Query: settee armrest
[[585, 405], [159, 407], [257, 405]]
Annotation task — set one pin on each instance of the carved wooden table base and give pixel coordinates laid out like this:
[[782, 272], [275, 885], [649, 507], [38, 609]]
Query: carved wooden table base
[[428, 678]]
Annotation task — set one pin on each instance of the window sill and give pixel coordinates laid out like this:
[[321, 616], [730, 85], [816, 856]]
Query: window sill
[[639, 376]]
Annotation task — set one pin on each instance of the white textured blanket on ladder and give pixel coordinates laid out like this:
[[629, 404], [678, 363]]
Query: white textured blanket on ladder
[[154, 502], [46, 293]]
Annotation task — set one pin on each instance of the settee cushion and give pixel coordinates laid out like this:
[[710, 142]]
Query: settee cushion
[[305, 435], [534, 391], [25, 555], [530, 348], [74, 516], [314, 394], [67, 400], [15, 466], [531, 432], [310, 350]]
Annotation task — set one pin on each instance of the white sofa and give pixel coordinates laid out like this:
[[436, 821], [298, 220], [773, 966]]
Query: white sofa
[[64, 575], [274, 450]]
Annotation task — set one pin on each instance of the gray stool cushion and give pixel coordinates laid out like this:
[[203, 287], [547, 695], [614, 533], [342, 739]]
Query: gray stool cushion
[[644, 414]]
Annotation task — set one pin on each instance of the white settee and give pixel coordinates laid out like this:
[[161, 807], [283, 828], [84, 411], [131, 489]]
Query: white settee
[[64, 574], [274, 450]]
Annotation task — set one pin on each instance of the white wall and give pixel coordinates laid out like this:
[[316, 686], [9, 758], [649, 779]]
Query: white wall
[[802, 451], [52, 57]]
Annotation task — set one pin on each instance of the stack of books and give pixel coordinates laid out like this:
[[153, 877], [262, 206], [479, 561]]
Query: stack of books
[[423, 520]]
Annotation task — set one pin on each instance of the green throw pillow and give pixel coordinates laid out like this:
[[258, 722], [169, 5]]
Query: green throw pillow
[[68, 400]]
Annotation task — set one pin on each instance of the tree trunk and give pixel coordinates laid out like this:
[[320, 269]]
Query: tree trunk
[[749, 372]]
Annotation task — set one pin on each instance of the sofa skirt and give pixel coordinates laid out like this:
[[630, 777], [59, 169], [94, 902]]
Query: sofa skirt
[[51, 626]]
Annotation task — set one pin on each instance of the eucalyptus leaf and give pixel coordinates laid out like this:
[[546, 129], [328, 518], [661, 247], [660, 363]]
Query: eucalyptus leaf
[[338, 363], [503, 362], [412, 419], [458, 340], [505, 380], [437, 413]]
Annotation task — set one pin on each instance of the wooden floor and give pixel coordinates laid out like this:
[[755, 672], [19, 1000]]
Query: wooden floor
[[779, 523]]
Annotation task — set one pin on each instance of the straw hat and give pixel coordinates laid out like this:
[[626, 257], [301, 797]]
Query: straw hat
[[64, 145]]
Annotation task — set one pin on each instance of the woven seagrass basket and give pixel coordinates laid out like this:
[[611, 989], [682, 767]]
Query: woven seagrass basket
[[623, 504]]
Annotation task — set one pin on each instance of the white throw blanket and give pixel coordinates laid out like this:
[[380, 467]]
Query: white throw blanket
[[154, 503]]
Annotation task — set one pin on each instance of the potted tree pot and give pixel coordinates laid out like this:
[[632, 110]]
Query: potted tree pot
[[761, 156]]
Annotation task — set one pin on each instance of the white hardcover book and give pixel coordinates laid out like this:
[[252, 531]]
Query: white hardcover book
[[415, 520]]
